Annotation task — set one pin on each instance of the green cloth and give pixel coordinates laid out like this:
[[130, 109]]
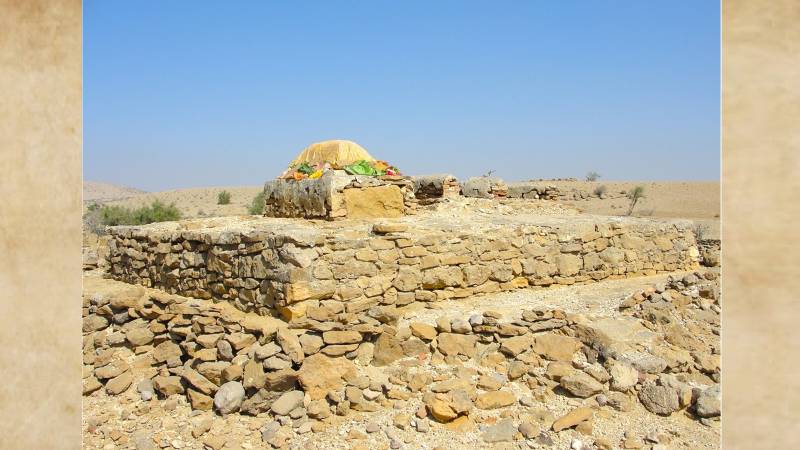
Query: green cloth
[[361, 167]]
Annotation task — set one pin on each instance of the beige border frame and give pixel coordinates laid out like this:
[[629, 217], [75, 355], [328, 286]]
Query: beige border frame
[[40, 224], [40, 158]]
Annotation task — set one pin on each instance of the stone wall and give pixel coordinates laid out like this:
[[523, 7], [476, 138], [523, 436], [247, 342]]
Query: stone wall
[[289, 265], [230, 361], [337, 195]]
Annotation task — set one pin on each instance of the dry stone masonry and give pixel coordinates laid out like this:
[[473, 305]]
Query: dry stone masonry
[[300, 378], [268, 264]]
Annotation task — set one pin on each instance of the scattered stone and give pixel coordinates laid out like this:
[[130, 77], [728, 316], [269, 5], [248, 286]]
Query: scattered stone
[[146, 389], [287, 402], [387, 350], [119, 384], [580, 384], [320, 374], [709, 403], [503, 431], [623, 376], [661, 400], [493, 400], [229, 397], [556, 347], [529, 430], [572, 418], [423, 331]]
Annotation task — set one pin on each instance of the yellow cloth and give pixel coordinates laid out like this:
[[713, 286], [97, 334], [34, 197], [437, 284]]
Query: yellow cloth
[[337, 152]]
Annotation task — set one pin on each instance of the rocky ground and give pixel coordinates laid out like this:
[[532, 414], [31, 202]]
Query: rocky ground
[[630, 363], [623, 363]]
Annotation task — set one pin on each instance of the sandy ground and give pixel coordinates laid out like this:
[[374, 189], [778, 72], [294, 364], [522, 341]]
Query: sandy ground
[[696, 200], [199, 202], [94, 191], [691, 199]]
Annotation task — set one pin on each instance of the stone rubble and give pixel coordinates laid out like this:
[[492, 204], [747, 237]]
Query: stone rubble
[[478, 374]]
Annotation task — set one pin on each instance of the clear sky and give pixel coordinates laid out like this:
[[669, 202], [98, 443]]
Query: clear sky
[[200, 93]]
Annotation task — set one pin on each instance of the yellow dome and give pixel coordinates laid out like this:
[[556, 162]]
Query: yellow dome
[[337, 152]]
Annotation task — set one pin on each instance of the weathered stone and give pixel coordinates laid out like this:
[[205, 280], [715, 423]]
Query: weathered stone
[[456, 344], [280, 380], [213, 370], [556, 347], [199, 381], [229, 397], [166, 350], [459, 325], [441, 277], [423, 331], [530, 429], [253, 375], [139, 336], [374, 202], [661, 400], [269, 349], [513, 346], [199, 400], [169, 385], [580, 384], [341, 337], [572, 418], [287, 402], [277, 363], [440, 409], [320, 374], [388, 349], [387, 227], [568, 265], [709, 403], [623, 376], [310, 343], [241, 340], [503, 431], [290, 345], [119, 384], [495, 399]]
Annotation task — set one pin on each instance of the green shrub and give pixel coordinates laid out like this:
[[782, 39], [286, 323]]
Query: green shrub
[[700, 231], [224, 198], [257, 206], [635, 195], [600, 190], [155, 212], [592, 176]]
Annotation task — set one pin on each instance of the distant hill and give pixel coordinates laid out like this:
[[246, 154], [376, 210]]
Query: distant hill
[[96, 191]]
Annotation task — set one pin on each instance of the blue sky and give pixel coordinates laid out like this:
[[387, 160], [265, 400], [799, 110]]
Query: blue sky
[[187, 94]]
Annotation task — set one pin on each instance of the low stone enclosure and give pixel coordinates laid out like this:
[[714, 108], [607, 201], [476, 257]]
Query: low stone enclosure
[[336, 195], [295, 267]]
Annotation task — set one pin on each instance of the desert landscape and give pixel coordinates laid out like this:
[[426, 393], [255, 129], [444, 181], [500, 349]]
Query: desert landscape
[[458, 314]]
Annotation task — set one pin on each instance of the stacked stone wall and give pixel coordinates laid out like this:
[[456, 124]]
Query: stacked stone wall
[[351, 269]]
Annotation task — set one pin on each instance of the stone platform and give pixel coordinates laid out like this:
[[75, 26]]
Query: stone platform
[[295, 266]]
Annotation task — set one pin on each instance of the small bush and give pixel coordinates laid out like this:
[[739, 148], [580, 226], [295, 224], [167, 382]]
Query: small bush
[[155, 212], [92, 220], [592, 176], [600, 190], [635, 195], [224, 198], [700, 231], [257, 206]]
